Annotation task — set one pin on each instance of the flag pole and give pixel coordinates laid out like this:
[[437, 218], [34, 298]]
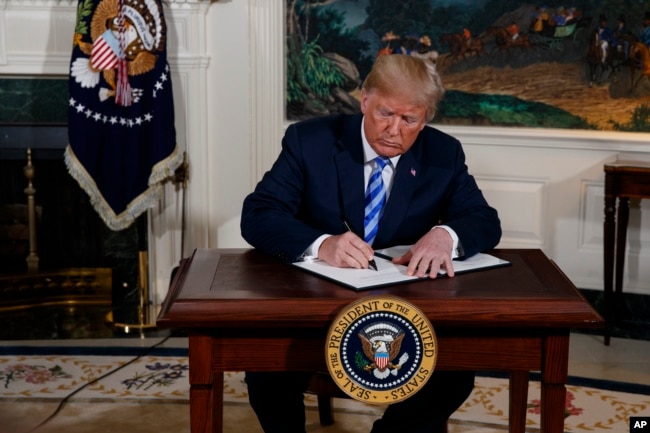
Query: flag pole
[[146, 317]]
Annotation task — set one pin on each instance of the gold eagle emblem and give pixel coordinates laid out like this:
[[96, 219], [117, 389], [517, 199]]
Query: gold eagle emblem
[[381, 344], [139, 42]]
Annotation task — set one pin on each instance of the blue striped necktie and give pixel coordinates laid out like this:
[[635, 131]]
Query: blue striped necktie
[[375, 199]]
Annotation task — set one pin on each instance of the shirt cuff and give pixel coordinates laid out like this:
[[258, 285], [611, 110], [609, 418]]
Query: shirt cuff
[[312, 250], [457, 249]]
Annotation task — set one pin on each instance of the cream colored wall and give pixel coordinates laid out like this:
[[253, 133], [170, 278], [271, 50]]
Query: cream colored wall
[[227, 60], [229, 129]]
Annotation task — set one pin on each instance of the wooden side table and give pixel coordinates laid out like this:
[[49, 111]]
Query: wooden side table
[[623, 180]]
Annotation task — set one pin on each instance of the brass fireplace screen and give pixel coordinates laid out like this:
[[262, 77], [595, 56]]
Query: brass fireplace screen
[[27, 284]]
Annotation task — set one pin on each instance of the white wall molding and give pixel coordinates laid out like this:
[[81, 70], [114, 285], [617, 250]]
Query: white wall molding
[[3, 33], [590, 228], [524, 224], [266, 27], [36, 35], [546, 138]]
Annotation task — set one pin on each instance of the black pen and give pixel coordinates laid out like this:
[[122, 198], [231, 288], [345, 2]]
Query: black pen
[[371, 262]]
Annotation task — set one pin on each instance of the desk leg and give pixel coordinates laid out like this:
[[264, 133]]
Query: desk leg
[[518, 401], [217, 402], [201, 414], [555, 365], [609, 230], [206, 387], [623, 219]]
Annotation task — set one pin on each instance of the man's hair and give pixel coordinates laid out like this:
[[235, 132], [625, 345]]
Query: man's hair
[[407, 76]]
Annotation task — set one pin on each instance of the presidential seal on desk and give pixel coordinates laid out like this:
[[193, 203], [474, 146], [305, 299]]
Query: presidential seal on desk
[[381, 349]]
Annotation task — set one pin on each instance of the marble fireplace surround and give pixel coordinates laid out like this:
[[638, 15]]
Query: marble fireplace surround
[[227, 59]]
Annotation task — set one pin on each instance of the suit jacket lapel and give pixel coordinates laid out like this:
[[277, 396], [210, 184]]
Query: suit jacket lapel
[[349, 163], [404, 185]]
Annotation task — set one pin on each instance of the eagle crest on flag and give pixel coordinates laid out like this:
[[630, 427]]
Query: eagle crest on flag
[[381, 343], [120, 30], [122, 139]]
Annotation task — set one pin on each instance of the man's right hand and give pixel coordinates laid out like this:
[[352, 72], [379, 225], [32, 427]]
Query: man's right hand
[[346, 251]]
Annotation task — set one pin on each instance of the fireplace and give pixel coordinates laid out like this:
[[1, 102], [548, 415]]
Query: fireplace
[[68, 232], [81, 264]]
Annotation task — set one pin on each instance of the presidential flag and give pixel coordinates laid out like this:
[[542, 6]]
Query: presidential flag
[[122, 140]]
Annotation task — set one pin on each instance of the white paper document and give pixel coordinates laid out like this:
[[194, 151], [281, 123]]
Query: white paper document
[[388, 273]]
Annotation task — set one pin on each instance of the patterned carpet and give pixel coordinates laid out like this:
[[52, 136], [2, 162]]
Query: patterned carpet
[[591, 406]]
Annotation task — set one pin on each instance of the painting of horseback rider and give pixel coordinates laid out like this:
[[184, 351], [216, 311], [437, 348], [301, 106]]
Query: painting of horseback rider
[[425, 51], [539, 19], [624, 36], [513, 30], [606, 38], [409, 45], [640, 52], [391, 43], [461, 44], [644, 33]]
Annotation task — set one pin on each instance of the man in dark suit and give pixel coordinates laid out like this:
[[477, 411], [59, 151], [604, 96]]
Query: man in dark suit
[[317, 201]]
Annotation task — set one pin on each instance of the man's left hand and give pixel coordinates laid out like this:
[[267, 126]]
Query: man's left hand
[[430, 254]]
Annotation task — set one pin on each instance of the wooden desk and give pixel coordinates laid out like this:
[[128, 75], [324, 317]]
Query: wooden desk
[[623, 180], [246, 311]]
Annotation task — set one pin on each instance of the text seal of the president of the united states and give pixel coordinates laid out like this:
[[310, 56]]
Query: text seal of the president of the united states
[[381, 349]]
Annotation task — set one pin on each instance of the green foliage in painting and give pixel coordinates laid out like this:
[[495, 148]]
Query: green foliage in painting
[[294, 92], [328, 25], [312, 73], [311, 76], [320, 73], [503, 110]]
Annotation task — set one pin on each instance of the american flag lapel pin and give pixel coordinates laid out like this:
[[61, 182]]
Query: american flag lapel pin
[[413, 172]]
